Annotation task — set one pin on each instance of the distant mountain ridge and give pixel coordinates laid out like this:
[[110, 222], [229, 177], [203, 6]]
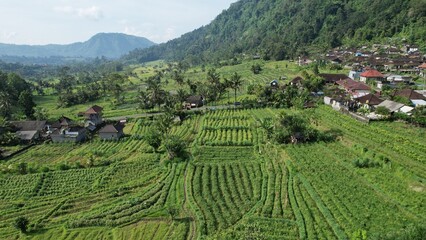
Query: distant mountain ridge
[[110, 45]]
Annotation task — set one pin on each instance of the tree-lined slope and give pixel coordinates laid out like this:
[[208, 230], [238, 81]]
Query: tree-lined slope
[[285, 28]]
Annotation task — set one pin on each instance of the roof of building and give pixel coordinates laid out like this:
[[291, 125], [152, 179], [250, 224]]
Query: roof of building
[[372, 73], [406, 109], [112, 128], [369, 99], [410, 94], [94, 109], [62, 122], [297, 80], [76, 129], [418, 102], [65, 121], [423, 66], [26, 135], [28, 125], [391, 105], [196, 98], [351, 85], [333, 77]]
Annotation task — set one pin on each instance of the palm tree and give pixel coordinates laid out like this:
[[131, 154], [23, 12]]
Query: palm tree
[[155, 92], [5, 104], [235, 83]]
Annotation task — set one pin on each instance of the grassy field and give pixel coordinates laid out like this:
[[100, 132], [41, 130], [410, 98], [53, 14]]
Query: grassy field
[[237, 185]]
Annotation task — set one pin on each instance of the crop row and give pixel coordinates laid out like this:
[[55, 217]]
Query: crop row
[[224, 193], [64, 182], [350, 201], [226, 137], [131, 208], [225, 113], [276, 197], [226, 122], [408, 152], [223, 154]]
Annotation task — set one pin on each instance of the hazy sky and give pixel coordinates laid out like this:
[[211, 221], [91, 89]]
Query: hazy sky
[[67, 21]]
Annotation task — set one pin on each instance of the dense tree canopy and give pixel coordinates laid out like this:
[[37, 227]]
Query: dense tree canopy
[[282, 29], [15, 96]]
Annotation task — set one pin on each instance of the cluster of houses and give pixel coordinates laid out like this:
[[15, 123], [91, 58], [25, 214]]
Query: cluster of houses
[[354, 93], [364, 86], [374, 70], [388, 58], [66, 130]]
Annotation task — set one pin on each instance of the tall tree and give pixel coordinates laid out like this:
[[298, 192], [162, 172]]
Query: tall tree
[[294, 128], [26, 101], [116, 82], [5, 104], [144, 101], [178, 77], [215, 87], [66, 81], [155, 90], [235, 82]]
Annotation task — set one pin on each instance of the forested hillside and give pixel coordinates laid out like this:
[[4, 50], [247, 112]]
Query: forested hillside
[[282, 29]]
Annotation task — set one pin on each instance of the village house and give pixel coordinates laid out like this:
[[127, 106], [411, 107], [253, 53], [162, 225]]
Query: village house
[[354, 88], [304, 61], [415, 98], [194, 101], [111, 132], [422, 92], [410, 48], [422, 70], [369, 101], [394, 78], [69, 134], [93, 117], [62, 122], [28, 130], [371, 74], [274, 84], [391, 105], [297, 81], [332, 78]]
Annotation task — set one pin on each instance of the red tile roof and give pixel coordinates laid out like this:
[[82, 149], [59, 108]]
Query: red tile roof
[[423, 66], [352, 85], [372, 73]]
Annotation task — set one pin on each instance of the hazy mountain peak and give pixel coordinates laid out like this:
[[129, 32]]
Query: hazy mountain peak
[[111, 45]]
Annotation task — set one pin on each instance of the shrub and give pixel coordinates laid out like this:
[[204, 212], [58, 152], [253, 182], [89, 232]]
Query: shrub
[[365, 163], [21, 223]]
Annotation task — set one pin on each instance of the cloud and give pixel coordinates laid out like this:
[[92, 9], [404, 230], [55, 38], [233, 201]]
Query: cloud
[[170, 33], [148, 30], [93, 13], [8, 37]]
